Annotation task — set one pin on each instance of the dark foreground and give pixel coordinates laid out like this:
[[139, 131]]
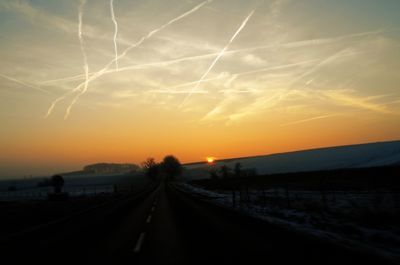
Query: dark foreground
[[161, 225]]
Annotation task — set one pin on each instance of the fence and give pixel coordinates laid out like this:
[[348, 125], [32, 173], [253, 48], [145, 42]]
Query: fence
[[42, 193]]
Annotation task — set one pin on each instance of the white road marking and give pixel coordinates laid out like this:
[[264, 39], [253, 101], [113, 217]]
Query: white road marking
[[148, 219], [139, 243]]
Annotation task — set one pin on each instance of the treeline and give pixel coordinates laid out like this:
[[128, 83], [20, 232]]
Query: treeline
[[226, 172], [169, 168], [362, 179], [111, 168]]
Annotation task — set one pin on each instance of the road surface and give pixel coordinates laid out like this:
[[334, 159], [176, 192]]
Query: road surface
[[165, 226]]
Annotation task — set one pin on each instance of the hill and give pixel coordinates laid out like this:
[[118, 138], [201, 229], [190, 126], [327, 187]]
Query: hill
[[329, 158]]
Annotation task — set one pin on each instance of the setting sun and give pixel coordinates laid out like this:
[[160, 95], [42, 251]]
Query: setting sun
[[210, 160]]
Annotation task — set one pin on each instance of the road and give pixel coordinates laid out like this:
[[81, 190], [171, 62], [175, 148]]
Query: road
[[165, 226]]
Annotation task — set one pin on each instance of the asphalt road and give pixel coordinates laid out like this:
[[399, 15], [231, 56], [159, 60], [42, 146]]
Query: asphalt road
[[165, 226]]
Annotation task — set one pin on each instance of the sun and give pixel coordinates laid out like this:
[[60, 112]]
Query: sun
[[210, 159]]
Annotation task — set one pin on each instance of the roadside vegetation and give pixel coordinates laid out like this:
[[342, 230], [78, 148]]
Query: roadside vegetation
[[351, 206], [169, 168]]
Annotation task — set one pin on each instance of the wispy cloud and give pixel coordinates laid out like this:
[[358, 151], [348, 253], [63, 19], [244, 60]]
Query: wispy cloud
[[24, 83], [254, 76], [346, 98], [165, 63], [103, 70], [310, 119], [219, 56]]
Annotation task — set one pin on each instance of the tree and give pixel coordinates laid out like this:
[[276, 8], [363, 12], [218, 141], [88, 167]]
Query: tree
[[171, 166], [148, 163], [151, 168], [57, 181], [213, 173], [238, 169], [225, 171]]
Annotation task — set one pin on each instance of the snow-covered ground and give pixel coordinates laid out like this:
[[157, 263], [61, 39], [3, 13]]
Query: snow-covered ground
[[363, 221], [352, 156]]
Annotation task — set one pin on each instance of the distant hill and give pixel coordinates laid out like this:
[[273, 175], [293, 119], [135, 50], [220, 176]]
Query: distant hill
[[111, 168], [350, 156], [103, 169]]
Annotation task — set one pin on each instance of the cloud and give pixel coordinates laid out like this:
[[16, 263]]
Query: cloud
[[347, 98], [253, 60], [52, 22], [24, 83], [310, 119]]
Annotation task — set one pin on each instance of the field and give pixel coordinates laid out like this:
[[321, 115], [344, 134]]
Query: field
[[358, 208], [27, 205], [75, 186]]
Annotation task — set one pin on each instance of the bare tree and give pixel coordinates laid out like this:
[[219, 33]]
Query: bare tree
[[238, 169], [151, 168], [213, 173], [57, 181], [225, 171]]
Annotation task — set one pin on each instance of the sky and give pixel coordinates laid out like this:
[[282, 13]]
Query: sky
[[121, 80]]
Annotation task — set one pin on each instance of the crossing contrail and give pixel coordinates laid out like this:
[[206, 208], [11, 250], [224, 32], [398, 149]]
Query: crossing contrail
[[173, 90], [105, 69], [85, 61], [115, 33], [296, 44], [218, 57], [23, 83], [82, 43]]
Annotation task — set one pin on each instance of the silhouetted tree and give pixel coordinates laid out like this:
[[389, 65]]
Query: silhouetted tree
[[251, 172], [151, 168], [45, 183], [238, 169], [171, 166], [57, 181], [213, 173], [225, 171], [148, 163]]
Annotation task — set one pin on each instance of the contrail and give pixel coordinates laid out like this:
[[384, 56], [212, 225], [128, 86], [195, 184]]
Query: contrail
[[218, 57], [172, 89], [23, 83], [341, 53], [309, 119], [53, 104], [104, 70], [115, 33], [82, 43], [296, 44], [85, 61], [320, 61]]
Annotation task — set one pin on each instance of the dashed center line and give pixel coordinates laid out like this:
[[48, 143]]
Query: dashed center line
[[139, 243], [148, 219]]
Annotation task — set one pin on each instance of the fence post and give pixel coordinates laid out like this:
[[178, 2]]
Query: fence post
[[233, 198], [264, 198], [287, 195]]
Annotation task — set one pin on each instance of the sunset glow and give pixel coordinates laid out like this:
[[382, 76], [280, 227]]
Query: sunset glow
[[210, 160], [119, 81]]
